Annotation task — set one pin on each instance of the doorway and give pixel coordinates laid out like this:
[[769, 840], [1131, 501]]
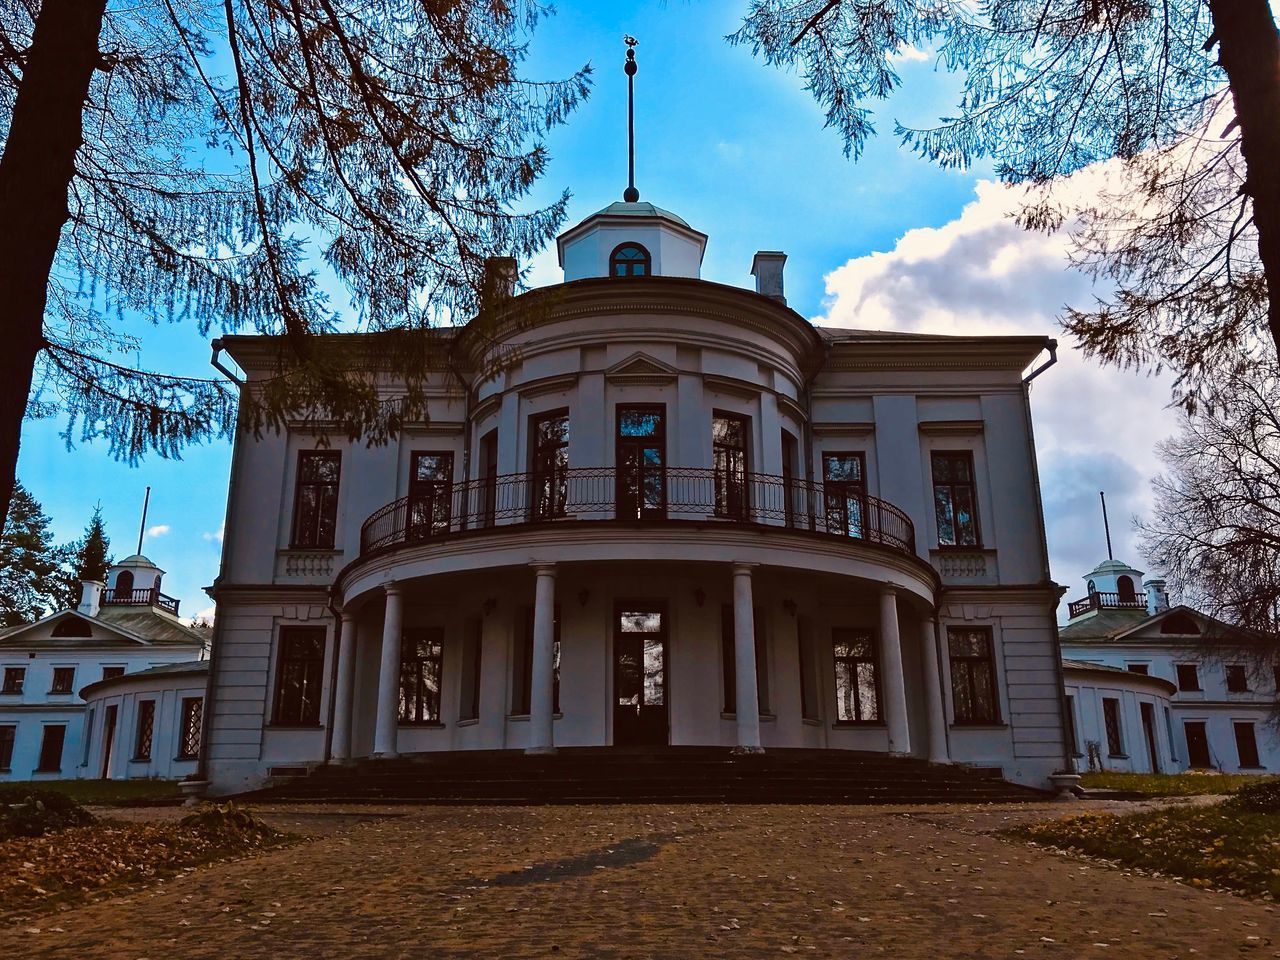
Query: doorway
[[1149, 731], [640, 460], [640, 674], [108, 739], [1197, 744]]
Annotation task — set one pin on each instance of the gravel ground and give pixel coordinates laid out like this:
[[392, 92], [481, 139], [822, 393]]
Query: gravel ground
[[655, 881]]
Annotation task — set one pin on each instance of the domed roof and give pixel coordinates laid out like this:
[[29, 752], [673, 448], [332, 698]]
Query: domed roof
[[639, 209], [137, 560], [1111, 566]]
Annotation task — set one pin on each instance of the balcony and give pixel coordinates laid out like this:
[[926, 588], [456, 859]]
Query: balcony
[[141, 598], [645, 494], [1105, 601]]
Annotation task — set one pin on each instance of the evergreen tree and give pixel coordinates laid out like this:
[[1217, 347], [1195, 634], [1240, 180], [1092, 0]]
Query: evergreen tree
[[30, 563], [88, 559]]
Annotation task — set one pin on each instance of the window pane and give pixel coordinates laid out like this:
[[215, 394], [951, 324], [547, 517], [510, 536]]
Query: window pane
[[844, 466], [943, 509], [655, 681], [640, 423], [965, 527]]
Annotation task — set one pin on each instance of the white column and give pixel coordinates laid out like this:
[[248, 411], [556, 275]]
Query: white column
[[933, 692], [384, 733], [747, 697], [895, 689], [542, 687], [341, 746]]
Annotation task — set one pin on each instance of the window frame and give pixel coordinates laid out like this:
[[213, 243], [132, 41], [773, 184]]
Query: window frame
[[13, 681], [555, 472], [810, 688], [1113, 717], [620, 443], [967, 661], [8, 743], [842, 491], [41, 765], [729, 662], [415, 669], [1073, 731], [724, 505], [952, 485], [1236, 727], [872, 658], [470, 671], [309, 703], [315, 540], [646, 259], [190, 729], [1195, 674], [69, 687], [433, 492], [113, 674], [1237, 673], [144, 731], [522, 680]]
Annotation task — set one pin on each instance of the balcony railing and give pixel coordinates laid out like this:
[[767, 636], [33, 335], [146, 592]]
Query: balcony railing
[[142, 598], [1106, 601], [645, 493]]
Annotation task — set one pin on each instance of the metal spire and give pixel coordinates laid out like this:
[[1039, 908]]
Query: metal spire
[[631, 194], [142, 527], [1106, 526]]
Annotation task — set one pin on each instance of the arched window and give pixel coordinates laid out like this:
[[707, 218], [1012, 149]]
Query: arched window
[[124, 585], [1124, 587], [1093, 588], [1179, 623], [629, 260], [71, 627]]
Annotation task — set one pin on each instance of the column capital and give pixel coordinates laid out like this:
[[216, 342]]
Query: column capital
[[543, 568], [393, 588], [743, 568], [889, 587], [346, 616]]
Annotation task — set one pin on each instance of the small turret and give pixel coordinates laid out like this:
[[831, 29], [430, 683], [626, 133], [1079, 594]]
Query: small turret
[[1157, 596]]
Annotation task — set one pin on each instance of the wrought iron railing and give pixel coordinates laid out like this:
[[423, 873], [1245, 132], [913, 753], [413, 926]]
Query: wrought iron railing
[[143, 597], [646, 493], [1106, 601]]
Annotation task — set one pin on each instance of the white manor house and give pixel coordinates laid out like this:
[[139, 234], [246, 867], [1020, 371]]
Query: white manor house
[[680, 514]]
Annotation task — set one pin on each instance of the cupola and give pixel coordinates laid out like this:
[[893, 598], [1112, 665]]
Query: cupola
[[631, 240], [1114, 578]]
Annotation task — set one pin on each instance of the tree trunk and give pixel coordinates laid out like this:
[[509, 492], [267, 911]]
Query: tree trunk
[[35, 173], [1249, 51]]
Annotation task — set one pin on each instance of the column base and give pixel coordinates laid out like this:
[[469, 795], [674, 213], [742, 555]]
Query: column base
[[741, 751], [940, 761], [539, 751], [389, 755], [342, 761]]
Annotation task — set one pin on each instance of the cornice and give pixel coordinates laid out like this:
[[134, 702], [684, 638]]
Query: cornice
[[941, 428]]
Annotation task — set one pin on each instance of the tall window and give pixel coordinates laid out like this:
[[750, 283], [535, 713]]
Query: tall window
[[1111, 719], [124, 586], [8, 733], [1247, 746], [857, 676], [51, 749], [1188, 676], [63, 679], [640, 460], [13, 677], [472, 645], [1237, 678], [299, 674], [730, 662], [809, 709], [189, 738], [729, 453], [549, 464], [430, 492], [973, 675], [630, 260], [489, 471], [790, 494], [522, 665], [88, 737], [844, 487], [315, 501], [1125, 590], [145, 731], [955, 501], [1073, 739], [421, 667]]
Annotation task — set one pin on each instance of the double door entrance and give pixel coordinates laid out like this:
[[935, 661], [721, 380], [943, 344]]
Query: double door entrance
[[640, 675]]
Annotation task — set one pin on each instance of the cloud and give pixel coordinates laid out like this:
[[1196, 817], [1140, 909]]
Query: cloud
[[206, 616], [215, 537], [159, 530], [1095, 426], [909, 54]]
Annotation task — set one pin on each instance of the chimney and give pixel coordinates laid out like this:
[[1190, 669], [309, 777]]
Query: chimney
[[1157, 596], [766, 267], [499, 279], [90, 597]]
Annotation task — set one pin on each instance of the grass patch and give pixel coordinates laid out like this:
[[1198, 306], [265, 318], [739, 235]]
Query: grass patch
[[80, 863], [1213, 846], [109, 793], [1170, 784]]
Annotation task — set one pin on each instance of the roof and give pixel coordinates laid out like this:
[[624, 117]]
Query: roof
[[638, 209], [1103, 625], [188, 668], [159, 628], [1141, 679], [138, 625], [1112, 566]]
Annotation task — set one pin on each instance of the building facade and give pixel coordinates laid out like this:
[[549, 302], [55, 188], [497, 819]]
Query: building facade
[[647, 509], [1189, 702], [119, 628]]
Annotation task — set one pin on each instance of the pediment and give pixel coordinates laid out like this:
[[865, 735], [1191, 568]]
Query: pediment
[[41, 634], [641, 368]]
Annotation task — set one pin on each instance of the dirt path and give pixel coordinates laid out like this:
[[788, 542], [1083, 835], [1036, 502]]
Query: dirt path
[[656, 881]]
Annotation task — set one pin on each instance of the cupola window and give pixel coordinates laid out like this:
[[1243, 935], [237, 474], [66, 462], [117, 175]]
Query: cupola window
[[630, 260]]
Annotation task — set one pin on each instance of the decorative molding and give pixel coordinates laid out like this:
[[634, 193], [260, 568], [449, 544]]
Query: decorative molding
[[310, 565], [791, 406], [967, 566], [486, 408], [835, 429], [936, 428], [538, 388], [641, 369], [741, 388]]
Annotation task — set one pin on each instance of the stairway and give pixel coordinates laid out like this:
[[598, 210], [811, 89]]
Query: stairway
[[650, 775]]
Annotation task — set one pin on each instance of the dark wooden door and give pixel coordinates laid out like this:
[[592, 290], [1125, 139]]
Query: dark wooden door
[[640, 675], [1149, 731], [1197, 744], [108, 739]]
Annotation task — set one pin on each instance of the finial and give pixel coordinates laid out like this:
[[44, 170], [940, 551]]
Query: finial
[[1105, 525], [631, 194], [142, 527]]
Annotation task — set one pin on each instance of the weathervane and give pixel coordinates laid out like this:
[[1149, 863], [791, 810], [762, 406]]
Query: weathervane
[[631, 194]]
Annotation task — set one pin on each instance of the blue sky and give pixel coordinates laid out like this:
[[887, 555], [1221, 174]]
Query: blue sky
[[738, 149]]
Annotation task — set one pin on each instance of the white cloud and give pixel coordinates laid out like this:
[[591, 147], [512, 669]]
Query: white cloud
[[206, 616], [982, 274], [159, 530], [909, 54], [215, 537]]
